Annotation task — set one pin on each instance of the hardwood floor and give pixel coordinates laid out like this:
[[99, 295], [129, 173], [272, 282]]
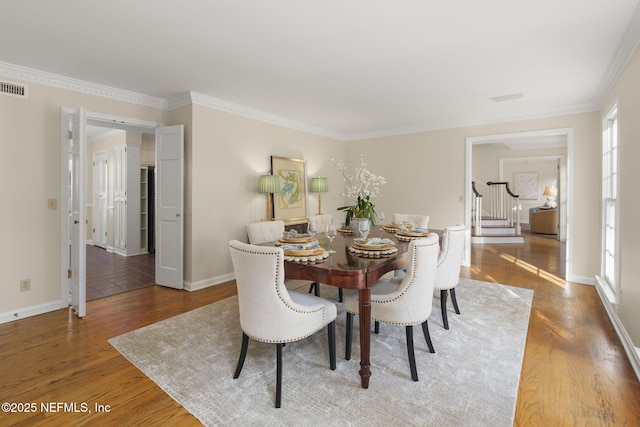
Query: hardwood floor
[[575, 371]]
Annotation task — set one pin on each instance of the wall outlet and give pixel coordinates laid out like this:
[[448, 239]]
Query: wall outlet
[[25, 285], [52, 204]]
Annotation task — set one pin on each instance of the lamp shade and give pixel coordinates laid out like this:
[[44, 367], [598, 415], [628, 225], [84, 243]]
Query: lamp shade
[[269, 184], [550, 192], [319, 185]]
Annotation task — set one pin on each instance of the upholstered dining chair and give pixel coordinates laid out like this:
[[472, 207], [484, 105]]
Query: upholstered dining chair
[[270, 231], [407, 303], [264, 231], [321, 222], [418, 221], [448, 270], [271, 313]]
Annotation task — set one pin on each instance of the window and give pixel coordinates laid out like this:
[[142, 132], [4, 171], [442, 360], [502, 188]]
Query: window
[[610, 259]]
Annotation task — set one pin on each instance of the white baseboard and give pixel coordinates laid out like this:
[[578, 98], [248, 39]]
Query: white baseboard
[[633, 353], [582, 280], [30, 311], [201, 284]]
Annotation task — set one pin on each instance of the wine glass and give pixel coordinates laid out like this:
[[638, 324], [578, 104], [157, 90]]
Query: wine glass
[[312, 228], [332, 232]]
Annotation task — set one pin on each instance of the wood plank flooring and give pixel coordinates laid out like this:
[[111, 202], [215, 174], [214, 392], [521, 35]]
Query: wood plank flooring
[[574, 371]]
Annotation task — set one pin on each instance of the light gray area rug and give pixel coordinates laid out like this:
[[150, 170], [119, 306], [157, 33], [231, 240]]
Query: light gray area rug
[[471, 380]]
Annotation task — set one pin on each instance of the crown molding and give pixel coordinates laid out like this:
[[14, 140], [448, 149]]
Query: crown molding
[[626, 49], [239, 110], [54, 80], [576, 109]]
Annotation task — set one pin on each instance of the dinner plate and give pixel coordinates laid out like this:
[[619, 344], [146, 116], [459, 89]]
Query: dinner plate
[[296, 239], [373, 247], [309, 252], [413, 233]]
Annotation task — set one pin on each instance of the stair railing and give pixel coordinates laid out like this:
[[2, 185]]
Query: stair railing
[[476, 210], [505, 204]]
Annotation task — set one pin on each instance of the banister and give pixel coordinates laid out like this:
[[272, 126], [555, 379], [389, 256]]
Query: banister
[[473, 187], [506, 187]]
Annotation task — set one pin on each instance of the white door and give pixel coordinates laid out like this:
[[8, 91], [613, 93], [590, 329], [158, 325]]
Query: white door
[[100, 199], [120, 199], [169, 205], [78, 215]]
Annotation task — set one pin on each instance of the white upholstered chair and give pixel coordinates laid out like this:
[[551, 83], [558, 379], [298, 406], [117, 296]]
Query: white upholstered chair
[[321, 222], [264, 231], [418, 221], [271, 313], [448, 271], [407, 303], [270, 231]]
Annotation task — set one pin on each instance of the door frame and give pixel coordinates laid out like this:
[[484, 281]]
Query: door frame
[[470, 141], [95, 119]]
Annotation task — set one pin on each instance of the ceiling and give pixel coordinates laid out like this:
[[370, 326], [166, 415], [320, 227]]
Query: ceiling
[[349, 69]]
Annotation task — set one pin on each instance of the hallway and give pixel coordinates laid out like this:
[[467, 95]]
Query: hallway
[[111, 274]]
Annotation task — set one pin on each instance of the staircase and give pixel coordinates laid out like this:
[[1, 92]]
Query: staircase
[[502, 224], [495, 230]]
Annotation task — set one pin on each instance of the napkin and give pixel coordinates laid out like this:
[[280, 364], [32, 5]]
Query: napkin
[[302, 246], [374, 241], [293, 234]]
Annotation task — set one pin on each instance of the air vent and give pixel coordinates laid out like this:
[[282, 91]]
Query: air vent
[[14, 89]]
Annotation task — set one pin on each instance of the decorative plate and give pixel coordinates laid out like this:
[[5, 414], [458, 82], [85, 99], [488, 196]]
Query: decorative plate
[[308, 252], [345, 230], [409, 238], [295, 239], [373, 254], [373, 247], [412, 233], [310, 259]]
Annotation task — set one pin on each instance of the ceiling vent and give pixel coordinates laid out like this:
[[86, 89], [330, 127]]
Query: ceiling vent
[[14, 89]]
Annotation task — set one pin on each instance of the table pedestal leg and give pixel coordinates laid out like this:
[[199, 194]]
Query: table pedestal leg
[[364, 312]]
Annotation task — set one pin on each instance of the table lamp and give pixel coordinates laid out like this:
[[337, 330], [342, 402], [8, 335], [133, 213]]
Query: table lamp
[[319, 185], [550, 193], [269, 184]]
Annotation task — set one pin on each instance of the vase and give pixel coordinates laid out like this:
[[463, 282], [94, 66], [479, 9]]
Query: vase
[[360, 227]]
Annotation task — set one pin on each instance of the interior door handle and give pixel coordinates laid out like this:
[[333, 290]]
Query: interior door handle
[[75, 221], [177, 215]]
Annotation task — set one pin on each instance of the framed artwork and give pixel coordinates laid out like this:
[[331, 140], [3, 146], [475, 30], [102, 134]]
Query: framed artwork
[[290, 205], [526, 185]]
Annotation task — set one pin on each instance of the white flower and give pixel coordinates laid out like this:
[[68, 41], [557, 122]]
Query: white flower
[[362, 183]]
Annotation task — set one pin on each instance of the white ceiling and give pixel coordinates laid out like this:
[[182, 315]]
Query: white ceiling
[[350, 68]]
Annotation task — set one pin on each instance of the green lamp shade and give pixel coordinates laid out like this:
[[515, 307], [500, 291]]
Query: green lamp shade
[[319, 185], [269, 184]]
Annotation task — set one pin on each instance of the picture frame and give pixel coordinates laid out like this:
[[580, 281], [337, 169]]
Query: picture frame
[[526, 185], [290, 205]]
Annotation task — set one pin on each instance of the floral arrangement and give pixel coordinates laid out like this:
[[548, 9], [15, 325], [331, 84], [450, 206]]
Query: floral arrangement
[[362, 185]]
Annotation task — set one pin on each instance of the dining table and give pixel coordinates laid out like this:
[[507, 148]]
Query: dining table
[[348, 270]]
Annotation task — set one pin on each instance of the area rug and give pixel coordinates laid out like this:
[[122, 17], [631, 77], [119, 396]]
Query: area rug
[[471, 380]]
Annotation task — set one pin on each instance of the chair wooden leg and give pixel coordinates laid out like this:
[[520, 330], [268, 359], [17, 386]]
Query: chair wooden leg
[[452, 291], [347, 345], [443, 307], [411, 354], [331, 328], [427, 336], [315, 288], [278, 375], [243, 354], [376, 327]]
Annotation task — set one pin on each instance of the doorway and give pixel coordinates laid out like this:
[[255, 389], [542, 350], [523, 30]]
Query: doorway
[[110, 269], [534, 139], [169, 168]]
